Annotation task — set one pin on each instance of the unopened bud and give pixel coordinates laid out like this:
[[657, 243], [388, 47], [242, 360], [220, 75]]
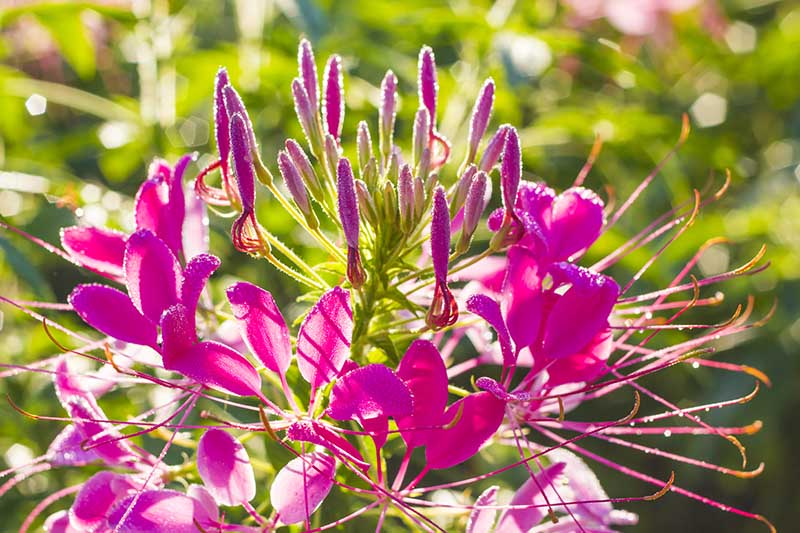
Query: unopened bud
[[405, 198], [480, 118], [301, 162], [473, 210], [294, 183], [307, 68], [444, 309], [333, 104], [222, 125], [389, 203], [307, 115], [419, 198], [427, 85], [366, 205], [510, 171], [393, 168], [424, 166], [387, 113], [461, 189], [421, 135], [494, 148], [331, 153], [364, 146], [370, 174], [349, 218]]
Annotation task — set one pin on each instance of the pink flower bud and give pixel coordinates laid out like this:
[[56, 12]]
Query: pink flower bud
[[234, 105], [405, 197], [427, 85], [421, 134], [494, 149], [300, 160], [222, 122], [364, 145], [366, 205], [462, 188], [333, 104], [473, 208], [244, 231], [306, 114], [480, 118], [307, 68], [387, 112], [511, 170], [348, 216], [444, 309], [294, 182]]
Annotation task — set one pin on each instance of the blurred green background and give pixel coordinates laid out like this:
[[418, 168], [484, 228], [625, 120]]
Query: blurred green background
[[90, 92]]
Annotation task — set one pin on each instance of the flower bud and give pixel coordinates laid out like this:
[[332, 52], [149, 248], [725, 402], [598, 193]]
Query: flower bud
[[244, 231], [364, 146], [222, 124], [333, 104], [421, 134], [387, 112], [307, 116], [303, 165], [366, 205], [370, 174], [389, 203], [424, 166], [419, 198], [461, 189], [294, 183], [348, 216], [331, 153], [494, 148], [443, 311], [480, 118], [427, 85], [393, 168], [307, 68], [510, 170], [405, 198], [473, 209]]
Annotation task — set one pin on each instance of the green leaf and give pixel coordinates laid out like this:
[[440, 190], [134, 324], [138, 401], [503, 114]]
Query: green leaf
[[72, 38]]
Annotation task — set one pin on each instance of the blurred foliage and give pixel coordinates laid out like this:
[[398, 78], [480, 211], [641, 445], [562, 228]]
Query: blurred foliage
[[125, 82]]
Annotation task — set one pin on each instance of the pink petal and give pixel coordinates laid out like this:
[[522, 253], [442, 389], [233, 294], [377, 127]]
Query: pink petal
[[152, 274], [481, 415], [111, 312], [87, 415], [580, 313], [205, 501], [67, 450], [423, 371], [225, 469], [96, 497], [323, 343], [482, 520], [522, 520], [160, 206], [195, 276], [585, 366], [158, 510], [524, 301], [316, 433], [98, 249], [576, 220], [262, 326], [219, 367], [369, 392], [178, 334], [58, 522], [301, 486], [488, 309]]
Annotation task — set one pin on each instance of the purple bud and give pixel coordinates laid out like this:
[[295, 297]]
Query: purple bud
[[461, 189], [308, 72], [234, 105], [243, 161], [426, 83], [306, 114], [348, 215], [348, 205], [405, 197], [331, 153], [387, 112], [300, 160], [366, 205], [364, 145], [480, 117], [421, 137], [510, 170], [222, 121], [333, 104], [294, 182], [473, 209], [494, 148], [444, 309]]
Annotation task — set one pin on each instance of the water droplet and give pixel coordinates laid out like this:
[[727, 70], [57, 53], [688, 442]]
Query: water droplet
[[707, 409], [695, 365], [667, 433], [648, 315]]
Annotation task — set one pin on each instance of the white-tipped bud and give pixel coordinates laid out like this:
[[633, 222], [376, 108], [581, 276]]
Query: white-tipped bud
[[364, 145]]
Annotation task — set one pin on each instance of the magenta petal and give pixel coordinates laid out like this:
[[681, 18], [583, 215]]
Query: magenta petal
[[87, 416], [66, 449], [585, 366], [96, 497], [323, 343], [576, 220], [523, 519], [481, 415], [423, 371], [316, 433], [301, 486], [58, 522], [111, 312], [262, 326], [152, 274], [369, 392], [157, 510], [177, 332], [489, 310], [217, 366], [580, 313], [481, 520], [207, 503], [524, 301], [225, 468], [98, 249], [195, 276]]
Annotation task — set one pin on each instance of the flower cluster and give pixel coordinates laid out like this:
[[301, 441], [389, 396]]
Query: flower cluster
[[376, 376]]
